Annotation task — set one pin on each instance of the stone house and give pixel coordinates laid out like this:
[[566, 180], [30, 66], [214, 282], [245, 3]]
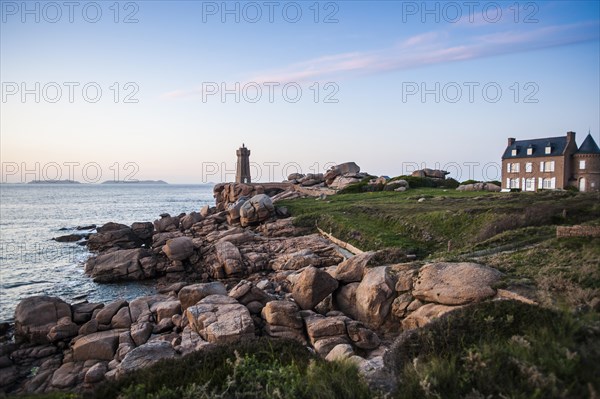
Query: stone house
[[551, 163]]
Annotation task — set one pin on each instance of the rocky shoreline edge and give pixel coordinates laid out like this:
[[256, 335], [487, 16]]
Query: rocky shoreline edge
[[230, 273]]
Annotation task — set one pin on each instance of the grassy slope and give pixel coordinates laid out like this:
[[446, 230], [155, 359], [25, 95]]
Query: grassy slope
[[389, 219]]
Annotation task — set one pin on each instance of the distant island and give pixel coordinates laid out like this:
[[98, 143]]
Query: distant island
[[53, 182], [135, 182]]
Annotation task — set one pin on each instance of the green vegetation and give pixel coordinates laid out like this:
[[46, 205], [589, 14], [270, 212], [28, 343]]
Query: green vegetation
[[499, 349], [255, 369], [472, 220], [413, 181], [566, 271], [262, 368]]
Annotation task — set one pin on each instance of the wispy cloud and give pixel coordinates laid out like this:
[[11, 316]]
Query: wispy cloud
[[430, 48]]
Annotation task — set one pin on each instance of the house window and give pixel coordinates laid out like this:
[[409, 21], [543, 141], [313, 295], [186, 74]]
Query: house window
[[514, 183], [529, 151], [547, 166], [582, 165], [530, 184], [548, 149], [514, 153], [549, 183], [515, 167], [528, 167]]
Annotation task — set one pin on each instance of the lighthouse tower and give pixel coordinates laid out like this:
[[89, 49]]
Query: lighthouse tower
[[242, 173]]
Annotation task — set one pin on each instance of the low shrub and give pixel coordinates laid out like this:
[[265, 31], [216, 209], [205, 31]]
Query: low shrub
[[361, 187], [417, 182], [470, 181], [256, 369], [448, 183], [498, 349]]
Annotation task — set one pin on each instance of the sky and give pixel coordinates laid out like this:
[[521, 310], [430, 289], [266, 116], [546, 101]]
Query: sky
[[108, 90]]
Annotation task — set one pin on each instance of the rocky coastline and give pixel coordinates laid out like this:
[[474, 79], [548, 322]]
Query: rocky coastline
[[228, 273]]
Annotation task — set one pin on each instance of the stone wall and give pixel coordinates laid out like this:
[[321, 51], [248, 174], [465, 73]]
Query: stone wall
[[577, 231]]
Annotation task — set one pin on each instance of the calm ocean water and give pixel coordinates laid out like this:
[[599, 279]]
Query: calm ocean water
[[30, 215]]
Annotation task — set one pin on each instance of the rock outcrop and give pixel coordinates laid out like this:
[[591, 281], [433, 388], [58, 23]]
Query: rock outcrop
[[455, 283], [256, 210], [220, 319], [179, 248], [121, 265], [348, 168], [374, 296], [312, 286], [479, 187], [115, 235], [431, 173], [36, 316]]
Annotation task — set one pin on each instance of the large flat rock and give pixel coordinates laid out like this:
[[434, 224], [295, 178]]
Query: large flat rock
[[100, 346], [455, 283]]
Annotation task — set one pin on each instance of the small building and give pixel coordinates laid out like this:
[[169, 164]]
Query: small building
[[551, 163]]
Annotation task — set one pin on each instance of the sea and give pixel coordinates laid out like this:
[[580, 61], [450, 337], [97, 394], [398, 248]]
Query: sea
[[31, 263]]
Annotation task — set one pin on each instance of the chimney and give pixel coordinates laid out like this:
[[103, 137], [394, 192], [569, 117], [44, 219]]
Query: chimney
[[570, 136], [511, 141]]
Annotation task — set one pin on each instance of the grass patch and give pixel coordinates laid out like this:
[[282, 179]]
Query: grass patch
[[499, 349], [472, 220], [566, 270]]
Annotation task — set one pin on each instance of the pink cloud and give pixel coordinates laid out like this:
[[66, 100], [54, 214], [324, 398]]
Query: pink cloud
[[421, 50]]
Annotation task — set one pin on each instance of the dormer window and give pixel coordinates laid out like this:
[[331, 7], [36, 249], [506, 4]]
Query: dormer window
[[548, 149], [530, 151], [514, 152]]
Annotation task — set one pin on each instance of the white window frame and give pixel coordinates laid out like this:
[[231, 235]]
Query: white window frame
[[529, 167], [582, 164], [514, 183], [550, 166], [548, 150], [530, 184], [549, 183], [514, 153], [530, 151]]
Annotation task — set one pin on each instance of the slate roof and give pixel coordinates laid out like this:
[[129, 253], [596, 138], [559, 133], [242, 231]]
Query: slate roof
[[589, 146], [558, 145]]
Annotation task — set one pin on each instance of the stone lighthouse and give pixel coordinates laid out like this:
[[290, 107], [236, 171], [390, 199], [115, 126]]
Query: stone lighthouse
[[242, 173]]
